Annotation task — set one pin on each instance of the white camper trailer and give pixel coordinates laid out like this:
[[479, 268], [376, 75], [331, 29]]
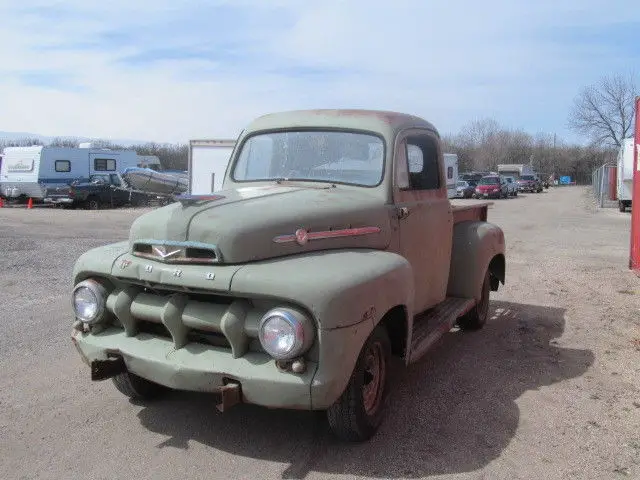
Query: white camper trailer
[[451, 173], [27, 172], [515, 170], [208, 160], [625, 174]]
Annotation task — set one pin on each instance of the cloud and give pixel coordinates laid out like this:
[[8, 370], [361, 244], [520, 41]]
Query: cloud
[[170, 71]]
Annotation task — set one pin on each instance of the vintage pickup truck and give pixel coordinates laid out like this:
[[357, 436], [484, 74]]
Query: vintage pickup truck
[[331, 247]]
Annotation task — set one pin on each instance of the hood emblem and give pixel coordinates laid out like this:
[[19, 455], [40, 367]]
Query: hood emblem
[[162, 251], [302, 236]]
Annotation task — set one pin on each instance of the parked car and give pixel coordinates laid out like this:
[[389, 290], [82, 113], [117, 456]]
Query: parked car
[[465, 189], [530, 183], [512, 186], [295, 284], [102, 190], [492, 186]]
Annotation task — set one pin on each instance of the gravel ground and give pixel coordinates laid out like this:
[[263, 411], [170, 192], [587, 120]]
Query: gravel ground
[[548, 389]]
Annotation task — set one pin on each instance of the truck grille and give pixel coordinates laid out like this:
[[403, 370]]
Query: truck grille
[[176, 252], [186, 318]]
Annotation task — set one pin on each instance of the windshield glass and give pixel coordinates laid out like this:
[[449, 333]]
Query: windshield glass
[[462, 184], [321, 156], [526, 177], [489, 181]]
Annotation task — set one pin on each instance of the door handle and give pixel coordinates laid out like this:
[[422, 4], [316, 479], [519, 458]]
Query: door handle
[[403, 212]]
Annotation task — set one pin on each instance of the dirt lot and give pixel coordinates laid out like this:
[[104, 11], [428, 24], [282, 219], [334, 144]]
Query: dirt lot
[[549, 389]]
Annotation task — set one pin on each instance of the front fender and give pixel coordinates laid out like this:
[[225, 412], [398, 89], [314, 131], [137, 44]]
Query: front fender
[[347, 292], [98, 261], [339, 288], [475, 244]]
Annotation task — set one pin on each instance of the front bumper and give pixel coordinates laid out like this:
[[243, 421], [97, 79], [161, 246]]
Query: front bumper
[[199, 367], [487, 194]]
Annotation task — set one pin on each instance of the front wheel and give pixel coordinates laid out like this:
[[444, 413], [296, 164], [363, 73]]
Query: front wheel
[[358, 413], [136, 387]]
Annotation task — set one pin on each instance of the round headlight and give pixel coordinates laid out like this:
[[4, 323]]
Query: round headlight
[[285, 333], [89, 301]]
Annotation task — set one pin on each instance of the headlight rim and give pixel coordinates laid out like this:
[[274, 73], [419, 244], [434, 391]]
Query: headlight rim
[[301, 325], [99, 291]]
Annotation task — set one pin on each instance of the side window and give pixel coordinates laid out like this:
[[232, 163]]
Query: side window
[[422, 156], [115, 180], [104, 165], [63, 166]]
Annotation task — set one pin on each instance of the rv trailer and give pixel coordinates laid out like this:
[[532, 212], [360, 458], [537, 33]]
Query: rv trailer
[[515, 170], [451, 167], [625, 175], [27, 172]]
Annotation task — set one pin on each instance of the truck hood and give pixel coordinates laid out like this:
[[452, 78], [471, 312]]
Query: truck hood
[[260, 222]]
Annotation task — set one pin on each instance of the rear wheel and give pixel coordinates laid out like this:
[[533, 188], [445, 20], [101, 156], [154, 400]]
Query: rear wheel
[[476, 318], [93, 203], [359, 411], [621, 206], [136, 387]]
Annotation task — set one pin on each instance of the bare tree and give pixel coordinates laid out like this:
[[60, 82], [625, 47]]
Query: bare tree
[[604, 112]]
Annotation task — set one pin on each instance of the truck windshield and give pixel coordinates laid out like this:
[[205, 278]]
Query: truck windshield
[[322, 156], [527, 177]]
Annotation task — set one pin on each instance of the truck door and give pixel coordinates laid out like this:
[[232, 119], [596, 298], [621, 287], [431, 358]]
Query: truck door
[[425, 217], [119, 196]]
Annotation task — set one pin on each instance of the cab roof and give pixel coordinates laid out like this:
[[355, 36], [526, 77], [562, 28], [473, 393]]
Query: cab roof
[[387, 123]]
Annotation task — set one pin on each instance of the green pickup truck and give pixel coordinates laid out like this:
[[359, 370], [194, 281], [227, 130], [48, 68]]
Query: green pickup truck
[[331, 247]]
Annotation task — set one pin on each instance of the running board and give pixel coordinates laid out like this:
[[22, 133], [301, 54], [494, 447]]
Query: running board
[[434, 323]]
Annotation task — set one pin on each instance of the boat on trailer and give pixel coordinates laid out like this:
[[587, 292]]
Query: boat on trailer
[[154, 181]]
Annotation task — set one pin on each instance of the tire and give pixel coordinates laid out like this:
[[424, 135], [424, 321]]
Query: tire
[[353, 417], [622, 207], [515, 193], [476, 318], [93, 203], [135, 387]]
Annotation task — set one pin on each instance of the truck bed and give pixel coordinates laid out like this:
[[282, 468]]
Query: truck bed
[[467, 211]]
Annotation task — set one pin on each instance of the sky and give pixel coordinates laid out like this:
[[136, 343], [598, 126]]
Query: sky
[[170, 71]]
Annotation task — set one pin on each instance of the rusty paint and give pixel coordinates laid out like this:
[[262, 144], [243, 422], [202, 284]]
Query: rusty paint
[[230, 395], [469, 213]]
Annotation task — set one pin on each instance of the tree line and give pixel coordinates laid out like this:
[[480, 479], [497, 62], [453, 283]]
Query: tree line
[[483, 144], [603, 113]]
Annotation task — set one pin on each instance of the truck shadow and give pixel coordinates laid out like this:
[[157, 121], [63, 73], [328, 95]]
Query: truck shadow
[[453, 412]]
